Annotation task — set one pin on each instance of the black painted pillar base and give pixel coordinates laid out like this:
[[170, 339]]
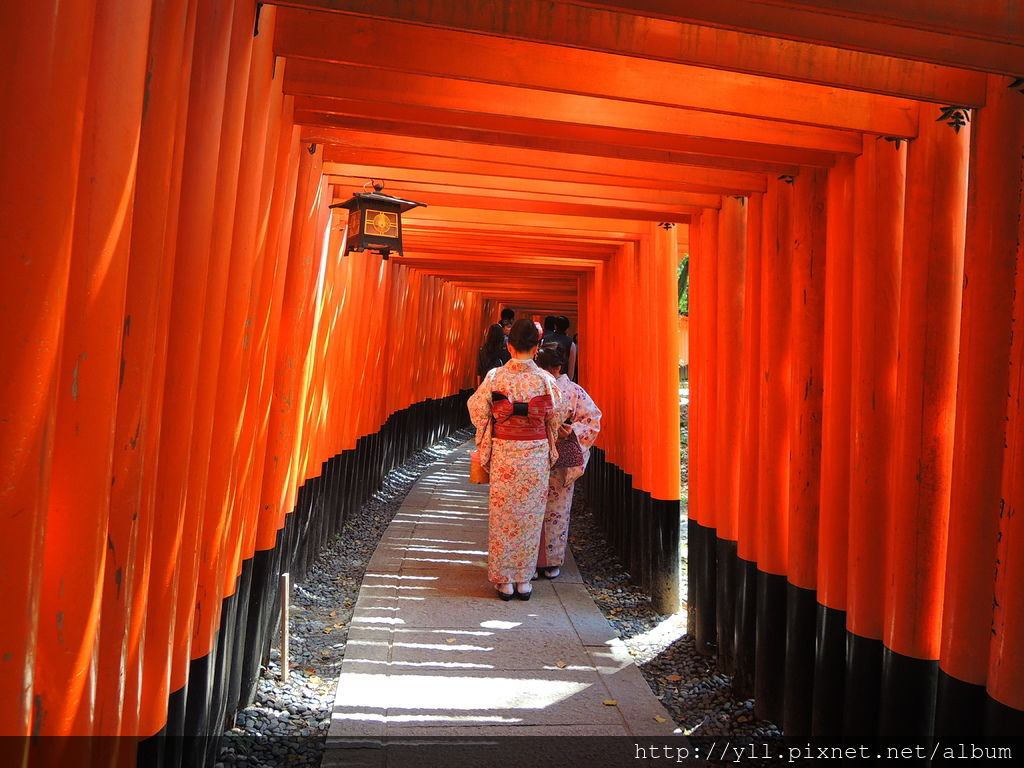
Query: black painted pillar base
[[725, 603], [745, 631], [907, 713], [801, 612], [863, 686], [960, 711], [770, 661], [175, 731], [266, 566], [1004, 728], [224, 651], [197, 711], [703, 574], [829, 677], [152, 750], [242, 631], [664, 543], [692, 607]]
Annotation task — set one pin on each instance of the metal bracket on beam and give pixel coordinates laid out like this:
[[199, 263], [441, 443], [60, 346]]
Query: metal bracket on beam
[[896, 141]]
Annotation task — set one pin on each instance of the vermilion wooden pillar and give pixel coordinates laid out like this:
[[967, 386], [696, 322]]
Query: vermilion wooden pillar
[[39, 44], [728, 344], [807, 329], [237, 248], [774, 448], [879, 180], [258, 153], [745, 632], [261, 139], [188, 291], [200, 597], [991, 259], [265, 538], [830, 658], [286, 186], [279, 162], [643, 285], [154, 708], [277, 495], [693, 416], [77, 539], [1005, 715], [701, 545], [143, 344], [664, 436], [933, 248], [309, 351], [320, 348], [248, 573]]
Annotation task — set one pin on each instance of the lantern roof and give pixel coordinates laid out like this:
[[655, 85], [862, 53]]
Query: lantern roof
[[377, 197]]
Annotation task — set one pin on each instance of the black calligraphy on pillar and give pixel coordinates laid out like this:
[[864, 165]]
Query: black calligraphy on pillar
[[954, 116]]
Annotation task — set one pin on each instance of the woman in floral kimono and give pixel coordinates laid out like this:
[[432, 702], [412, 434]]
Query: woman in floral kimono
[[516, 414], [582, 423]]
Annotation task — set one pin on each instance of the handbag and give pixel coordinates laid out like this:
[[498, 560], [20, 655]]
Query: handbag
[[570, 454], [477, 474]]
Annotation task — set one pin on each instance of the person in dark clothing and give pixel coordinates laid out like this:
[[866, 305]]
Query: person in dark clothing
[[504, 354], [508, 316], [558, 335], [494, 352], [549, 328]]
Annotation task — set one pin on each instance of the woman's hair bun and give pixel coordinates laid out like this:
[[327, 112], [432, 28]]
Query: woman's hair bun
[[523, 336], [550, 356]]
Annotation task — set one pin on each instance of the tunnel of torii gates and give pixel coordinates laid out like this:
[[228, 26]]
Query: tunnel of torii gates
[[200, 383]]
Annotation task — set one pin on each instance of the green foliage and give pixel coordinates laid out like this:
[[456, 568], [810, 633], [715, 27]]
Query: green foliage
[[683, 282]]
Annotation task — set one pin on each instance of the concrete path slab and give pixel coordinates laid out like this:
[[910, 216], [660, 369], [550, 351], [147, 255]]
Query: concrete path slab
[[438, 670]]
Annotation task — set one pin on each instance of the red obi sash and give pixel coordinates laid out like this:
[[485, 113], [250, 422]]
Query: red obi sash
[[520, 421]]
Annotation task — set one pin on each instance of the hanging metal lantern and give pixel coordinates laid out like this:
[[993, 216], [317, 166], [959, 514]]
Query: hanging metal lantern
[[375, 221]]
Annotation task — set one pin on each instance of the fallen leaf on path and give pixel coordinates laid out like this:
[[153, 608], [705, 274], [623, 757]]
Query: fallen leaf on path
[[561, 664], [674, 678], [660, 719], [610, 702], [449, 639]]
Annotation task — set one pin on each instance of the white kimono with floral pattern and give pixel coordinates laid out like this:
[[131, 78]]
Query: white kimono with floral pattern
[[586, 423], [519, 470]]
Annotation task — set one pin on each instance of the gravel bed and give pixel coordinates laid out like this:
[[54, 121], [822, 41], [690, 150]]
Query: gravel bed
[[287, 725], [698, 696]]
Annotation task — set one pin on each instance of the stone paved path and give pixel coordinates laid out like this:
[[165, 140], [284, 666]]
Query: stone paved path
[[438, 670]]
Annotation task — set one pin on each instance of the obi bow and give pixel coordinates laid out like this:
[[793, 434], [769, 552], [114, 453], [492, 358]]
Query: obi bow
[[536, 409]]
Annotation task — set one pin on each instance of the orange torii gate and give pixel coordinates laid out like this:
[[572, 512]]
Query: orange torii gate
[[186, 335]]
